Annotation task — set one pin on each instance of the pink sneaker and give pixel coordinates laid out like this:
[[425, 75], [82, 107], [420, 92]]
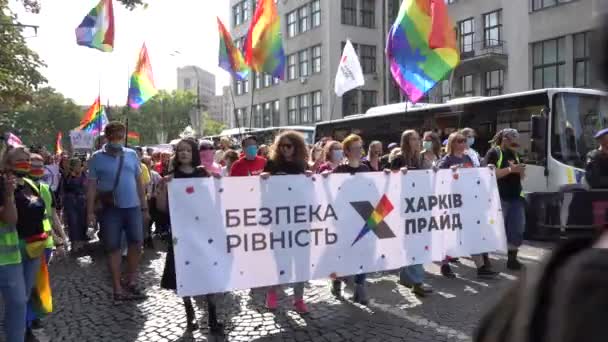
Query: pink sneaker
[[271, 299], [300, 306]]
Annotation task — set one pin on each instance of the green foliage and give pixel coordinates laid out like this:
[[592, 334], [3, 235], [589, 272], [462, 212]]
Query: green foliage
[[37, 122], [19, 75], [212, 127]]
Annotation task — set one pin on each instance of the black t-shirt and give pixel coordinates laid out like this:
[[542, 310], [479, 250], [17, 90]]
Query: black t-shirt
[[30, 212], [345, 168], [401, 161], [371, 168], [198, 172], [284, 167], [450, 160], [597, 169], [509, 186]]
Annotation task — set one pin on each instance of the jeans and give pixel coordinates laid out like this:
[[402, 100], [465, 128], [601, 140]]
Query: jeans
[[514, 213], [12, 287], [115, 221], [412, 275], [74, 209]]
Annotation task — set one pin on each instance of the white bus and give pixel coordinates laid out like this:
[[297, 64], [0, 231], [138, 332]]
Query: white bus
[[556, 132], [265, 135]]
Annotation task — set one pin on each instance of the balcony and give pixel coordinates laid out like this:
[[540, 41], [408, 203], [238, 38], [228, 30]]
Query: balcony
[[489, 54]]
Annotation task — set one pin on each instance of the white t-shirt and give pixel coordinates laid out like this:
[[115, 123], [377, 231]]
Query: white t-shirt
[[474, 156], [52, 176]]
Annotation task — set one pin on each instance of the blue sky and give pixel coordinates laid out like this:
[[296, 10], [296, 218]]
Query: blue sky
[[188, 26]]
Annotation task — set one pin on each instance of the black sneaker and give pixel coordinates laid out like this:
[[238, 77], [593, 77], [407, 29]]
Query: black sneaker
[[485, 272], [336, 288], [447, 272], [216, 329], [29, 336]]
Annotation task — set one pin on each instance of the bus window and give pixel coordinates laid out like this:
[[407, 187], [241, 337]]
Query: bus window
[[519, 118], [576, 118]]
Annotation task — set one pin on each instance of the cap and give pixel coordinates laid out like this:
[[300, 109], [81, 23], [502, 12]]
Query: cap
[[392, 146], [510, 133], [601, 133]]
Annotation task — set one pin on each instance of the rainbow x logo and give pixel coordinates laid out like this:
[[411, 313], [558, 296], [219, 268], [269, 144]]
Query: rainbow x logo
[[374, 218]]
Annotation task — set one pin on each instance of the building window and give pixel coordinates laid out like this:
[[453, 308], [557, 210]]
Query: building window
[[275, 80], [349, 12], [368, 58], [582, 66], [317, 106], [237, 14], [445, 91], [492, 28], [267, 119], [540, 4], [316, 13], [246, 10], [257, 116], [466, 85], [549, 63], [303, 19], [267, 80], [258, 80], [291, 67], [245, 86], [276, 112], [305, 108], [368, 15], [494, 83], [466, 32], [368, 100], [238, 87], [303, 59], [187, 83], [350, 103], [292, 24], [316, 59], [292, 110]]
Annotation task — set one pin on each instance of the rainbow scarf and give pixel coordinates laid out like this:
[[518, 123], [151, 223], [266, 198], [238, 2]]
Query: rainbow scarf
[[133, 138], [264, 45], [141, 87], [95, 119], [230, 58], [97, 28], [421, 46]]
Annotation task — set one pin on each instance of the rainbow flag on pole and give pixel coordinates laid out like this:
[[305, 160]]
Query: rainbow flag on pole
[[97, 28], [95, 119], [421, 46], [231, 59], [133, 138], [141, 87], [264, 45]]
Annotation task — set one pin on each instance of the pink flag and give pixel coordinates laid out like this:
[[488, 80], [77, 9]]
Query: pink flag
[[13, 140]]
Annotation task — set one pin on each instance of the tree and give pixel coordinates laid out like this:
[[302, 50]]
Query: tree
[[212, 127], [37, 122], [19, 75]]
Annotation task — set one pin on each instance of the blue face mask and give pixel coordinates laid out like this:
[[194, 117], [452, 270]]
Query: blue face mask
[[114, 146], [251, 151], [427, 145], [470, 141], [337, 155]]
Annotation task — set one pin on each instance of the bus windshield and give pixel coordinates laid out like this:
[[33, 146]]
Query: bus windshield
[[576, 119]]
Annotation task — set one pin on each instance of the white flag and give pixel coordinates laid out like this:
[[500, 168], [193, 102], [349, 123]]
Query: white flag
[[350, 74]]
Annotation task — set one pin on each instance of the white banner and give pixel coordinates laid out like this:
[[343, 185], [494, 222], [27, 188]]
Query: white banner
[[82, 139], [246, 232]]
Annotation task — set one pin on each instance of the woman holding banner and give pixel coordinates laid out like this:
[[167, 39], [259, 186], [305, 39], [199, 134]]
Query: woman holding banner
[[454, 159], [353, 148], [409, 159], [288, 156], [186, 164], [334, 155]]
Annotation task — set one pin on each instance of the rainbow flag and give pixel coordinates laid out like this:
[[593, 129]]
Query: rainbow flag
[[141, 87], [231, 59], [133, 138], [421, 46], [264, 44], [97, 28], [58, 144], [95, 119]]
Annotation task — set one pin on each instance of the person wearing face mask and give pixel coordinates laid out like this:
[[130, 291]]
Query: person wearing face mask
[[469, 134], [409, 159], [116, 194], [207, 154], [509, 173], [374, 154], [250, 164], [334, 155], [73, 194], [431, 150]]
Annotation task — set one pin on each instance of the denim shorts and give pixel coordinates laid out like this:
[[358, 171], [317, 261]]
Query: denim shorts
[[116, 221]]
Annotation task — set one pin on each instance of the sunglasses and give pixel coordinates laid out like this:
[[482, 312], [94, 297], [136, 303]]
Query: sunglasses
[[287, 146]]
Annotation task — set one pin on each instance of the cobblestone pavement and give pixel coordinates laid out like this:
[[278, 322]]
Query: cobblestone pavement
[[84, 311]]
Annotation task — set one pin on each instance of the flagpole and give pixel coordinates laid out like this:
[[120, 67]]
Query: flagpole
[[252, 88]]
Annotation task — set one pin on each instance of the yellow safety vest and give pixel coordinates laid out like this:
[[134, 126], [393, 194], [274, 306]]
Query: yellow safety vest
[[45, 192]]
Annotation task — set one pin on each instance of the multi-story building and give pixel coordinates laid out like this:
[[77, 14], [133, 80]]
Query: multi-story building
[[506, 46], [192, 78], [314, 32]]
